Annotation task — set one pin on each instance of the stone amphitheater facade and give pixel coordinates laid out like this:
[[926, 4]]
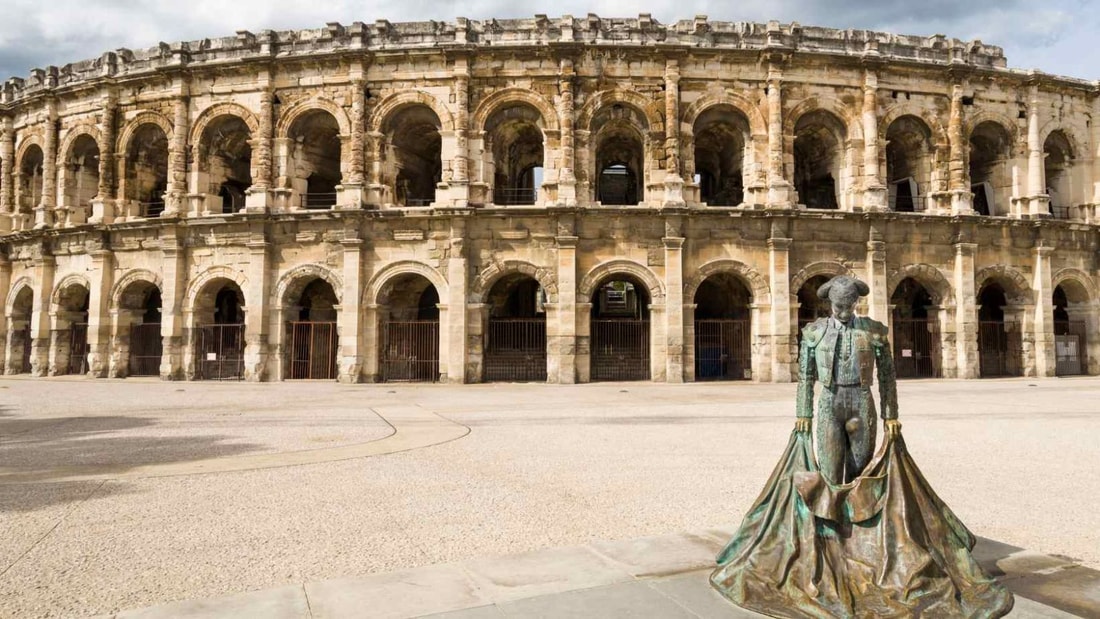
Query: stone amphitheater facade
[[562, 199]]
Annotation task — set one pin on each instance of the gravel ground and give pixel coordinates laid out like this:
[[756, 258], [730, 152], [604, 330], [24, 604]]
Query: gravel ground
[[543, 466]]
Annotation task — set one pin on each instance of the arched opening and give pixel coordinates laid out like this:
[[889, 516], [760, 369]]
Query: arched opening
[[226, 157], [990, 181], [999, 347], [909, 158], [311, 333], [619, 160], [720, 135], [723, 330], [515, 340], [916, 331], [810, 306], [409, 314], [1070, 329], [81, 173], [620, 330], [29, 186], [146, 177], [314, 159], [139, 319], [71, 336], [415, 154], [19, 329], [1057, 166], [219, 337], [515, 140], [818, 159]]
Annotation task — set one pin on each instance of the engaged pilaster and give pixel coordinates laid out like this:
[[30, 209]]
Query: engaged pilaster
[[1043, 320], [779, 277], [780, 194], [674, 181], [173, 270], [674, 307], [562, 325], [258, 195], [175, 195], [567, 180], [44, 211], [962, 200], [7, 187], [966, 313], [1038, 201], [351, 319], [874, 190]]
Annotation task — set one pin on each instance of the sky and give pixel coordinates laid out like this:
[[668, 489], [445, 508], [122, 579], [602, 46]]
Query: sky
[[1057, 36]]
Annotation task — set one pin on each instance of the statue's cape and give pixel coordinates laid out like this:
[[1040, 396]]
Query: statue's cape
[[884, 545]]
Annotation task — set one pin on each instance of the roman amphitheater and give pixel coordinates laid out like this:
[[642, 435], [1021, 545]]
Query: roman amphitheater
[[550, 199]]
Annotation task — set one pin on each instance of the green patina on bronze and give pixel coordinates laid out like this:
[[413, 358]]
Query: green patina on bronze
[[857, 536]]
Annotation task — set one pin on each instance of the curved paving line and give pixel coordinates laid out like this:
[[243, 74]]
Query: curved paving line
[[413, 428]]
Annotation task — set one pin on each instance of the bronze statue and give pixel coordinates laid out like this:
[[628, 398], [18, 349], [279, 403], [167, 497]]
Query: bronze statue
[[852, 533]]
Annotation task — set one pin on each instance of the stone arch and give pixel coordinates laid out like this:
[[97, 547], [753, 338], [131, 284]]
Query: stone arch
[[300, 108], [1016, 287], [500, 98], [491, 274], [1079, 277], [24, 282], [926, 275], [981, 116], [646, 108], [936, 130], [295, 280], [1057, 125], [753, 280], [603, 270], [133, 276], [218, 110], [396, 269], [813, 270], [395, 102], [849, 118], [758, 126], [76, 131], [197, 285], [25, 143], [67, 281], [145, 117]]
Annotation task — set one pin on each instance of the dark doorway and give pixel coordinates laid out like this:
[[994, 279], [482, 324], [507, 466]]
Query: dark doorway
[[1070, 338], [146, 344], [998, 348], [620, 331], [916, 334], [409, 330], [515, 340], [219, 346], [723, 339], [312, 339]]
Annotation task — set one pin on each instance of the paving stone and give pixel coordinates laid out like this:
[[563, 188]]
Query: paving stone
[[634, 599], [543, 572], [481, 612], [659, 556], [693, 592], [421, 591], [282, 603]]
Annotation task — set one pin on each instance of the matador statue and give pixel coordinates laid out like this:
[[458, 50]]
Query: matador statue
[[854, 532]]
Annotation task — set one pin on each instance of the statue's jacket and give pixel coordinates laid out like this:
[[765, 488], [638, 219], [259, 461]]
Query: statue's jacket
[[872, 349]]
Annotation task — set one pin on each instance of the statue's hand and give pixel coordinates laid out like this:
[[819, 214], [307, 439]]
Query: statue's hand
[[803, 424], [893, 428]]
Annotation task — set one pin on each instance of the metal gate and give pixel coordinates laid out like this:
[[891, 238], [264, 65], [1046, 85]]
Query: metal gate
[[723, 350], [916, 348], [998, 350], [219, 352], [78, 348], [311, 350], [515, 349], [410, 350], [1069, 348], [620, 349], [146, 347]]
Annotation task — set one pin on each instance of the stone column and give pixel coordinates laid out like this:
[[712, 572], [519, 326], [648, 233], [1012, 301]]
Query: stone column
[[5, 287], [1043, 321], [674, 181], [567, 180], [99, 320], [455, 324], [878, 301], [674, 308], [258, 314], [460, 179], [779, 189], [44, 212], [874, 189], [173, 269], [779, 277], [1038, 200], [7, 187], [562, 331], [257, 196], [350, 326], [175, 196], [370, 344], [351, 188], [108, 163], [966, 313], [44, 268], [962, 201]]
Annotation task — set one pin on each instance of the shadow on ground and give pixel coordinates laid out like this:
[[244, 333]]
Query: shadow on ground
[[1059, 582]]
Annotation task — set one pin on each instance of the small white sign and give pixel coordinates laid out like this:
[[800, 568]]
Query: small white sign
[[211, 356], [906, 352]]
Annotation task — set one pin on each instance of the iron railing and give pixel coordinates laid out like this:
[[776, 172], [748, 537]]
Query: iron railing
[[146, 347], [410, 351], [1070, 349], [515, 350], [620, 349], [419, 201], [916, 348], [998, 349], [318, 201], [311, 350], [515, 195], [78, 348], [150, 209], [723, 350], [219, 352], [1061, 212]]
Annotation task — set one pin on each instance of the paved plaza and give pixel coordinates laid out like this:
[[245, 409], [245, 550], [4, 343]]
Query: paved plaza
[[119, 495]]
